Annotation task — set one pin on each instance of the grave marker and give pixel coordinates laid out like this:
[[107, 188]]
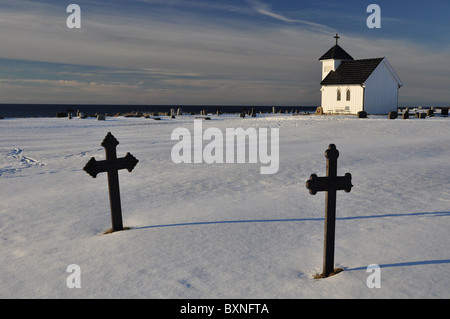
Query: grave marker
[[112, 165], [330, 184]]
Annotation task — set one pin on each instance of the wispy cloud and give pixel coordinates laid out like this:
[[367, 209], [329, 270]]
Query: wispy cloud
[[266, 9]]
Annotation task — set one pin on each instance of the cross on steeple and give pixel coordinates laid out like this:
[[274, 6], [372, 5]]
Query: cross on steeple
[[337, 37]]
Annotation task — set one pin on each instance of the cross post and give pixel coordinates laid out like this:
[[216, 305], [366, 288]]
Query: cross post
[[330, 184], [112, 165], [337, 37]]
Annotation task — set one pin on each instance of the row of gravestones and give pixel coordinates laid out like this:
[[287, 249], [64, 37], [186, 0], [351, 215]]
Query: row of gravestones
[[252, 113], [79, 114], [394, 115], [419, 115]]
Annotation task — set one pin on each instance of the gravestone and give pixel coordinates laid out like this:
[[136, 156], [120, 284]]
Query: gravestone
[[100, 117], [330, 184], [405, 115], [362, 114], [393, 115], [319, 111], [420, 115], [112, 165], [444, 111]]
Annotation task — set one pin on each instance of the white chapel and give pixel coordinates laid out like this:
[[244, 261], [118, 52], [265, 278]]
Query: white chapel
[[350, 86]]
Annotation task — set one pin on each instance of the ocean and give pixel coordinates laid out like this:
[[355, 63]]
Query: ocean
[[50, 110]]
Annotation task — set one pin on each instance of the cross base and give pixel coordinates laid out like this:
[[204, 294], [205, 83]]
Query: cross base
[[110, 230], [323, 275]]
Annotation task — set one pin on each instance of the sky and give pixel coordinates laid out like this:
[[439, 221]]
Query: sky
[[210, 52]]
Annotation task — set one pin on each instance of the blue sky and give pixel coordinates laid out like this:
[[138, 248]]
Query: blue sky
[[242, 52]]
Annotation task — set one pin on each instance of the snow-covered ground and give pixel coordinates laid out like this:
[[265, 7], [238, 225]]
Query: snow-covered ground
[[224, 230]]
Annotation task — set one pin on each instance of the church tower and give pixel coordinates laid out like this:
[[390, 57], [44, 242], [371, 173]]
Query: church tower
[[333, 58]]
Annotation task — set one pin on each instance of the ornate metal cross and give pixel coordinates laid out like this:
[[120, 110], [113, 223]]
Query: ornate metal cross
[[112, 165], [330, 184]]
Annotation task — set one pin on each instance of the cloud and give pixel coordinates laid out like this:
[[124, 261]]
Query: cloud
[[266, 9]]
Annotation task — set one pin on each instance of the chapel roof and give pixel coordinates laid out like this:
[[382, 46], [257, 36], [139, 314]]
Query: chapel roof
[[336, 53], [352, 72]]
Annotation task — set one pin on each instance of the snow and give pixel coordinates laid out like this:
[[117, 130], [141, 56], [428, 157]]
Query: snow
[[224, 230]]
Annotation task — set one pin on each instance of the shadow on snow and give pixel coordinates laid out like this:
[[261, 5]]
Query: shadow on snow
[[434, 214]]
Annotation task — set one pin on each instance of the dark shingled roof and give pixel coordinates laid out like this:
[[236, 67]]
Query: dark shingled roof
[[352, 72], [336, 53]]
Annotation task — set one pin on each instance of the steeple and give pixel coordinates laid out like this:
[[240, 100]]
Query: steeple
[[333, 58]]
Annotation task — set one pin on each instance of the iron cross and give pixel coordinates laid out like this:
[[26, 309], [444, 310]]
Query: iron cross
[[112, 165], [337, 37], [330, 184]]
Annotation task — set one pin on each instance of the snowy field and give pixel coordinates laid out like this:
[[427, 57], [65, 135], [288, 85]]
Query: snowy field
[[224, 230]]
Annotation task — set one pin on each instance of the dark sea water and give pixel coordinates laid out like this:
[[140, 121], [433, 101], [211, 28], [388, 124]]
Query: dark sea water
[[50, 110]]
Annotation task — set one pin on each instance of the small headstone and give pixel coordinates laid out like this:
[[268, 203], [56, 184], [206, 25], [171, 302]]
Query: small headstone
[[430, 113], [242, 114], [421, 115], [393, 115], [100, 117], [444, 111], [405, 115], [319, 111], [362, 114], [274, 109]]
